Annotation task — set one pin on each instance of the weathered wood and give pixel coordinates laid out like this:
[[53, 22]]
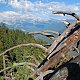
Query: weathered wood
[[67, 23], [32, 57], [68, 13], [54, 60], [4, 65], [25, 45], [43, 33], [19, 64], [61, 37], [66, 71], [53, 32], [57, 51], [46, 31]]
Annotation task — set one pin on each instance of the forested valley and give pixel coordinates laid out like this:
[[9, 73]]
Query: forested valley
[[10, 38]]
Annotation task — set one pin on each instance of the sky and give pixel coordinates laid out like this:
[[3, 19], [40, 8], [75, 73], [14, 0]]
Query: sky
[[12, 11]]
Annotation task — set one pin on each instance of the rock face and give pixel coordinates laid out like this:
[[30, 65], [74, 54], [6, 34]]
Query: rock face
[[60, 75], [70, 71]]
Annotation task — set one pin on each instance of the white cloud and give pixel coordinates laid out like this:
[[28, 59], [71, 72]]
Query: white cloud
[[43, 7], [26, 10], [9, 16]]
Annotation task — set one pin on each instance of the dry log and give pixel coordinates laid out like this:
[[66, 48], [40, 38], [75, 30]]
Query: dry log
[[54, 60], [61, 37], [66, 71]]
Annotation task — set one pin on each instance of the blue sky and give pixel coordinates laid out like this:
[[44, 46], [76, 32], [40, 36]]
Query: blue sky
[[65, 1], [14, 11]]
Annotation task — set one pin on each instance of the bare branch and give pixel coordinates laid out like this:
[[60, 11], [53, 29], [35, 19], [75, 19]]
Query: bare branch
[[50, 31], [40, 57], [76, 49], [56, 50], [54, 60], [61, 37], [24, 63], [43, 33], [5, 69], [19, 64], [59, 48], [30, 68], [68, 13], [25, 45], [44, 55], [46, 44], [67, 23], [4, 65], [32, 58]]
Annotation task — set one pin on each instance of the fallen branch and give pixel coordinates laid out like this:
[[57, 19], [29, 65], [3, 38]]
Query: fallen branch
[[46, 44], [25, 45], [24, 63], [32, 58], [5, 69], [43, 33], [19, 64], [76, 49], [30, 68], [40, 57], [61, 37], [68, 13], [50, 31], [67, 23], [54, 60]]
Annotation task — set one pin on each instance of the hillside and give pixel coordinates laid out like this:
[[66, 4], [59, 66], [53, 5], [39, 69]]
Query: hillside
[[10, 38]]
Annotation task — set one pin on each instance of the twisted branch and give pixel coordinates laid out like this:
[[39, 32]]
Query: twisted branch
[[67, 23], [50, 31], [61, 37], [68, 13], [76, 49], [25, 45], [72, 39], [43, 33], [19, 64], [32, 58], [24, 63]]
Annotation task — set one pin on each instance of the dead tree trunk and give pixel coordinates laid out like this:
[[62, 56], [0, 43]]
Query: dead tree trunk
[[57, 50], [63, 44]]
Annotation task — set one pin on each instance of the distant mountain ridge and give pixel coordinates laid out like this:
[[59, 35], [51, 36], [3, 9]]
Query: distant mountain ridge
[[37, 26], [55, 25]]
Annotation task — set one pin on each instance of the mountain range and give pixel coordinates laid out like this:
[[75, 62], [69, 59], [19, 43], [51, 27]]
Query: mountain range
[[26, 26]]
